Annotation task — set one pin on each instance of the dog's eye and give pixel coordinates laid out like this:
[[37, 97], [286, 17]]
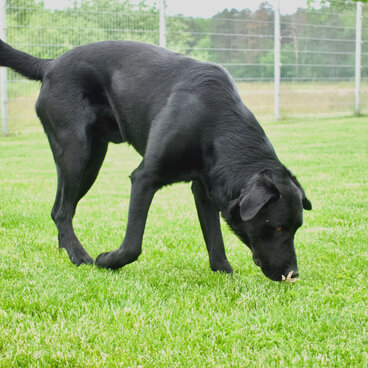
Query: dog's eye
[[269, 230]]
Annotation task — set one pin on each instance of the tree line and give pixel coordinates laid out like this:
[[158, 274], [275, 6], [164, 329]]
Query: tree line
[[315, 45]]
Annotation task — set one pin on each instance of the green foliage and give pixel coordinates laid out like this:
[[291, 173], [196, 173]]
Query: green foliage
[[242, 41], [22, 9], [334, 4], [168, 309], [311, 37], [57, 31]]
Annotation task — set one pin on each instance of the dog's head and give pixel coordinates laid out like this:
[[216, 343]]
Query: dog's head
[[266, 216]]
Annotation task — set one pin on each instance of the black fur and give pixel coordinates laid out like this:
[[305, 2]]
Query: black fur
[[25, 64], [187, 120]]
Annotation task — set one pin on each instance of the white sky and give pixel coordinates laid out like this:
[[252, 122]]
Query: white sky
[[209, 8], [201, 8]]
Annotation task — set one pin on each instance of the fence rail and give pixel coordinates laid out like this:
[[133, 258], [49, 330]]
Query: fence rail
[[313, 61]]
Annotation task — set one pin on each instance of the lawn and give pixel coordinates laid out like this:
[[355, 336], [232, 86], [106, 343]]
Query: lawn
[[168, 309]]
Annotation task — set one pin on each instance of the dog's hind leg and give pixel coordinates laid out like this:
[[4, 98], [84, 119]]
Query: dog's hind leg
[[78, 158], [56, 205], [70, 174], [97, 156], [210, 223]]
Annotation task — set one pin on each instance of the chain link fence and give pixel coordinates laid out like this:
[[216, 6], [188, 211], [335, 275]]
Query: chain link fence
[[317, 50]]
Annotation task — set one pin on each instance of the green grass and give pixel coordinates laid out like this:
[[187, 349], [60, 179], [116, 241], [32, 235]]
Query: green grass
[[168, 309]]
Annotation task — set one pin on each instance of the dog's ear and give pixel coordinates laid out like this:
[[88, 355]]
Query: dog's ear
[[307, 205], [260, 193]]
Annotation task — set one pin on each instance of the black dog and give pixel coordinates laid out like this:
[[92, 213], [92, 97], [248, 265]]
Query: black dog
[[187, 120]]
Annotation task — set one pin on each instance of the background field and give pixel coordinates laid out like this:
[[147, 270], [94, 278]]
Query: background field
[[168, 309], [297, 99]]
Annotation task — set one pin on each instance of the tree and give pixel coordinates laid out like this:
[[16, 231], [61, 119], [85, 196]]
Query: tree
[[333, 4], [22, 10]]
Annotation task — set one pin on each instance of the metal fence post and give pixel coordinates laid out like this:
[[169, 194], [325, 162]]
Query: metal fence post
[[163, 23], [358, 53], [3, 73], [277, 63]]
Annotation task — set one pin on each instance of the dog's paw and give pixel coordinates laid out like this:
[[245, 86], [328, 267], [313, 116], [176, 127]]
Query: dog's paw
[[112, 260], [224, 266], [117, 258], [78, 256], [107, 260]]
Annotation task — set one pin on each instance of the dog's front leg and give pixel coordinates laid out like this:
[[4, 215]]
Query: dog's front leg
[[210, 223], [141, 196]]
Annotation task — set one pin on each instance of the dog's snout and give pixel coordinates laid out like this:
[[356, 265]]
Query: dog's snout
[[277, 272], [295, 274]]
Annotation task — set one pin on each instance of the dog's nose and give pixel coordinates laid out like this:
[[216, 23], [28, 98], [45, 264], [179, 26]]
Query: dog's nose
[[295, 273]]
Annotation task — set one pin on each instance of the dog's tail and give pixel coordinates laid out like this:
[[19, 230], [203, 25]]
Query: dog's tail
[[29, 66]]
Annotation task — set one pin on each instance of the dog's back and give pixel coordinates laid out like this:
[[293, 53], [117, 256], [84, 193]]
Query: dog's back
[[132, 82]]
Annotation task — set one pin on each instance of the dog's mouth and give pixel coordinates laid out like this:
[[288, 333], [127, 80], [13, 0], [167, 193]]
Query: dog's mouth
[[290, 277]]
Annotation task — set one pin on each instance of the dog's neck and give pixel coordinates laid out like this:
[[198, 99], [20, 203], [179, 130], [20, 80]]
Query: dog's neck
[[237, 156]]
